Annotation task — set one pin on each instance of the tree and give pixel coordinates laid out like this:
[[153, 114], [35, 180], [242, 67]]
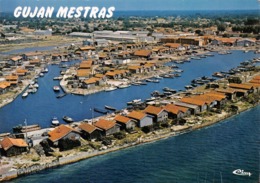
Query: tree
[[221, 27]]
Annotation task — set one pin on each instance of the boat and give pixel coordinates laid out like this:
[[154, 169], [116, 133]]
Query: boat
[[25, 94], [158, 77], [41, 74], [110, 89], [156, 81], [55, 121], [241, 172], [166, 89], [56, 88], [209, 55], [36, 85], [174, 66], [45, 70], [58, 78], [26, 128], [68, 119], [188, 87], [102, 111], [61, 95], [110, 108], [150, 99], [134, 101], [34, 90], [148, 80], [123, 86]]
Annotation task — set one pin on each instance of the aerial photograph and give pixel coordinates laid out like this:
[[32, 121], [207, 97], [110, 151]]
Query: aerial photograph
[[129, 91]]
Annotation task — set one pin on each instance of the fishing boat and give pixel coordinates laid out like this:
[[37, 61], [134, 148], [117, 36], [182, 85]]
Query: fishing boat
[[25, 94], [158, 77], [241, 173], [110, 89], [148, 80], [36, 85], [110, 108], [45, 70], [55, 121], [41, 74], [102, 111], [68, 119], [209, 55], [56, 88]]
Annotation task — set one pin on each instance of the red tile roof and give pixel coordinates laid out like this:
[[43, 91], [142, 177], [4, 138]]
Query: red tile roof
[[105, 124], [122, 119], [136, 115], [240, 86], [153, 110], [193, 101], [175, 109], [87, 127], [143, 53], [7, 143], [60, 132]]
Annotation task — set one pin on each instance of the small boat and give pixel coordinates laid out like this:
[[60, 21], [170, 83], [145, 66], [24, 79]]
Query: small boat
[[58, 78], [68, 119], [209, 55], [55, 121], [61, 95], [149, 80], [123, 86], [45, 70], [110, 89], [241, 173], [134, 101], [102, 111], [36, 85], [155, 81], [34, 90], [25, 94], [56, 88], [41, 74], [174, 66], [166, 89], [158, 77], [150, 99], [188, 87], [110, 108]]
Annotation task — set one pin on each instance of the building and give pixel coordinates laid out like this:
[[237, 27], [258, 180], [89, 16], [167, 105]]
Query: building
[[142, 119], [125, 122], [160, 115], [64, 137], [89, 131], [43, 32], [198, 102], [107, 127], [143, 53], [4, 85], [174, 111], [193, 108], [13, 147]]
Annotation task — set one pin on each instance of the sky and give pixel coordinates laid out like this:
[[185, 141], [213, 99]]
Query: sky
[[10, 5]]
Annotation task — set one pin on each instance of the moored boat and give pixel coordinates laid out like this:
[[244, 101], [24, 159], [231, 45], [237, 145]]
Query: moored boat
[[110, 108], [55, 121], [123, 86], [61, 95], [102, 111], [110, 89], [68, 119], [56, 88], [25, 94]]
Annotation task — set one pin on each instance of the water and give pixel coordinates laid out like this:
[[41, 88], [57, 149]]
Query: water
[[30, 49], [41, 107], [205, 155]]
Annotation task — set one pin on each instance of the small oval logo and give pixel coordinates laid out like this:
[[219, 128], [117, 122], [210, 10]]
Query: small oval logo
[[241, 172]]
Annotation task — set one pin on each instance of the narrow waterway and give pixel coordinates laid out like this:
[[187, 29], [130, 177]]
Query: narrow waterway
[[206, 155], [41, 107]]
